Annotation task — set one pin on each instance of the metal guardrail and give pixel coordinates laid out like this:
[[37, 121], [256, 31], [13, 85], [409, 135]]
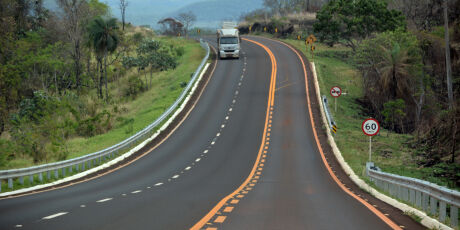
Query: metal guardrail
[[87, 161], [434, 199], [330, 120]]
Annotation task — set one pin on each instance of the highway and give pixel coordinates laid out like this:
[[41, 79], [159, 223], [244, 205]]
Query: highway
[[246, 157]]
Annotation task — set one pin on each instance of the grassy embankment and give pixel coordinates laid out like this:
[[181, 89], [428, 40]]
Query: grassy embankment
[[390, 151], [166, 86]]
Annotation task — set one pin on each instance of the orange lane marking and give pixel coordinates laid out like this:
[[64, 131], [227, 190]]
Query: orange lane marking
[[234, 201], [240, 196], [257, 177], [270, 102], [138, 157], [244, 192], [220, 219], [228, 209], [211, 228], [384, 218]]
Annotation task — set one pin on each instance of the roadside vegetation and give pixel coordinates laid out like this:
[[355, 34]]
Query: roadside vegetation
[[389, 59], [71, 87]]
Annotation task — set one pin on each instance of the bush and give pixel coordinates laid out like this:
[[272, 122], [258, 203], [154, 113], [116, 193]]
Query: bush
[[133, 87]]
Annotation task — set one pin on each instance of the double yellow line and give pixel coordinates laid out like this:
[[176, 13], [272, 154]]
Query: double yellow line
[[271, 101]]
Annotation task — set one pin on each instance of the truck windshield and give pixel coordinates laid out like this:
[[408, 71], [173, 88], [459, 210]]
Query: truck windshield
[[229, 40]]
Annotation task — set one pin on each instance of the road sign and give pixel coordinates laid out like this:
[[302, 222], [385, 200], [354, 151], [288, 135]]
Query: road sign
[[276, 30], [250, 28], [265, 29], [299, 37], [336, 91], [370, 127], [334, 129]]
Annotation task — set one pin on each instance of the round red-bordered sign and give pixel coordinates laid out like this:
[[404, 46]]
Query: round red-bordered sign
[[336, 91], [370, 127]]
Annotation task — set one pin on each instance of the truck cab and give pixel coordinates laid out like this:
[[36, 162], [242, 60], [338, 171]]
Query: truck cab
[[228, 41]]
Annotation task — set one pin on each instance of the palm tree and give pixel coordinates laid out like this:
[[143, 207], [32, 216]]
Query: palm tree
[[394, 70], [104, 40]]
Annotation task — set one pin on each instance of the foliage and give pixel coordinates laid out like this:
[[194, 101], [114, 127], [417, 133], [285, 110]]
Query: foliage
[[350, 21], [391, 64], [393, 111]]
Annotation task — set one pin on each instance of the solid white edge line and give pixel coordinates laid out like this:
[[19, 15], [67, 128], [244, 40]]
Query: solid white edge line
[[426, 220], [54, 215], [120, 158]]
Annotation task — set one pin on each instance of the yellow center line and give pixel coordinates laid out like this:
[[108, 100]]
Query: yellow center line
[[271, 96]]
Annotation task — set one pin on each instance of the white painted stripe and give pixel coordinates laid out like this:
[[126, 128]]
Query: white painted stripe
[[158, 184], [206, 151], [218, 134], [239, 83], [148, 187], [212, 143], [188, 168], [18, 226], [198, 159], [230, 109], [175, 176], [226, 118], [54, 215], [123, 194], [104, 200], [82, 206], [222, 126], [137, 191], [233, 101]]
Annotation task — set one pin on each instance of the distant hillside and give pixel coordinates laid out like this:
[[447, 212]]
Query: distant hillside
[[210, 13]]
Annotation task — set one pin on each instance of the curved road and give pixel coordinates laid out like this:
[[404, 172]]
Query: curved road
[[244, 158]]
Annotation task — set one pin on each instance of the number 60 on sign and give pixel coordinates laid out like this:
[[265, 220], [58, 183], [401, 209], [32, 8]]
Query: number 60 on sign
[[370, 127]]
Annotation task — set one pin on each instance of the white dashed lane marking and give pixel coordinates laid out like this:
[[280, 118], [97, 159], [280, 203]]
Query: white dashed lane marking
[[198, 159], [54, 215], [158, 184], [137, 191], [18, 226], [188, 168], [82, 206], [104, 200], [206, 151], [218, 134]]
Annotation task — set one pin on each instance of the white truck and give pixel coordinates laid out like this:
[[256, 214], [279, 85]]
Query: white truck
[[228, 41]]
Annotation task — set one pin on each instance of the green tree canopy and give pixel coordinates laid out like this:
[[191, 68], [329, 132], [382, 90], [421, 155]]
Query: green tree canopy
[[350, 21]]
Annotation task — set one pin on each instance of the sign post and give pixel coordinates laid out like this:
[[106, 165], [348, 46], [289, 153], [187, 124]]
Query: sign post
[[336, 92], [370, 127]]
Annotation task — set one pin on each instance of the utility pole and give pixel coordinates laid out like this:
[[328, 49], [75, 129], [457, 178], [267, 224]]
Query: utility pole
[[448, 64]]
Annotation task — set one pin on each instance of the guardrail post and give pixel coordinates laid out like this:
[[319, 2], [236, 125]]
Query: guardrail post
[[40, 177], [48, 174], [63, 171], [418, 199], [442, 211], [453, 216], [406, 194], [10, 183], [412, 196], [386, 186], [21, 180], [425, 199], [71, 169], [433, 205], [56, 174], [90, 164], [31, 179]]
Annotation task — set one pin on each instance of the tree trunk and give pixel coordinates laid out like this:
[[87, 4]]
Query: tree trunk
[[448, 64], [105, 71], [454, 135], [77, 58], [101, 78]]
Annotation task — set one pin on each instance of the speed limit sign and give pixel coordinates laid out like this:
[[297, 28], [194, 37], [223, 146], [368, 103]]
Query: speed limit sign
[[370, 127], [336, 91]]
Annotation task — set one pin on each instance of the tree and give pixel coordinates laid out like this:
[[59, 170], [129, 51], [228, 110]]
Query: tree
[[187, 20], [104, 40], [123, 5], [448, 61], [392, 67], [350, 21], [394, 110], [74, 12]]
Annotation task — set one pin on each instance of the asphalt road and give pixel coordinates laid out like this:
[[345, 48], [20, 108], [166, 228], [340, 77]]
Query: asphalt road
[[256, 158]]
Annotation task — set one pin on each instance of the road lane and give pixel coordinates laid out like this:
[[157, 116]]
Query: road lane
[[294, 189], [178, 202]]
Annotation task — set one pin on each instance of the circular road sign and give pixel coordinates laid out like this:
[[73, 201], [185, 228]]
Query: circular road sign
[[370, 127], [336, 91]]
